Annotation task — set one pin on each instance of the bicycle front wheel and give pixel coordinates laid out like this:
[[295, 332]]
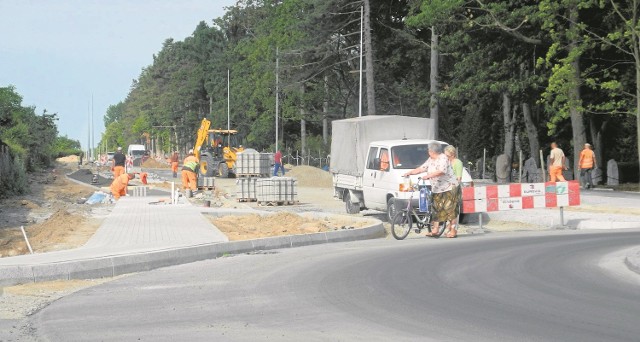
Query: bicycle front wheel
[[401, 225]]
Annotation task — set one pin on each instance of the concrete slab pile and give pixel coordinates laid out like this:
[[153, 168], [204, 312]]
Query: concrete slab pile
[[206, 183], [251, 163], [246, 189], [276, 191], [139, 191]]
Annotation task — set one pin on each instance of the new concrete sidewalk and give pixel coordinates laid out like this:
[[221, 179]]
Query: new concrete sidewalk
[[134, 226], [139, 235]]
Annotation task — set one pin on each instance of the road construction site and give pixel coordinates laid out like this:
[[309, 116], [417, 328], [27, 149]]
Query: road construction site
[[55, 219], [78, 245]]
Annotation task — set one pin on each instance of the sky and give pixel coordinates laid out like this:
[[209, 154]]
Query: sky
[[60, 53]]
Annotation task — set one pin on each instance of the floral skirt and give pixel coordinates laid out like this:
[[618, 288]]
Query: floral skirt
[[446, 205]]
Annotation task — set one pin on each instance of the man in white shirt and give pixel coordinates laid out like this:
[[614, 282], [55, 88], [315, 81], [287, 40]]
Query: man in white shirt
[[557, 159]]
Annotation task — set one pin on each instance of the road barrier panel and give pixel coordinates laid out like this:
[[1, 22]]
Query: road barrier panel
[[518, 196]]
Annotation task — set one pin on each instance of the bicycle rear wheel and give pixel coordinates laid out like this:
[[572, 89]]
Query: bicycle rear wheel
[[442, 228], [401, 225]]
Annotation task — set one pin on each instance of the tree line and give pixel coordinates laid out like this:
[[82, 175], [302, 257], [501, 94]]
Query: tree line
[[28, 142], [497, 75]]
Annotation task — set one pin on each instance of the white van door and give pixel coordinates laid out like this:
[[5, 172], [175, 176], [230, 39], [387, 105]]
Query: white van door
[[373, 179]]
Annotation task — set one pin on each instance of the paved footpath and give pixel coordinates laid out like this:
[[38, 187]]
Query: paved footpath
[[140, 235], [134, 226]]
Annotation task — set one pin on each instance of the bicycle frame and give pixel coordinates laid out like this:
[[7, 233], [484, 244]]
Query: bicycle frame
[[409, 214]]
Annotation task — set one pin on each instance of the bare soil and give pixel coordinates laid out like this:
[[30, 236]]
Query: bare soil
[[605, 209], [154, 164], [283, 223], [510, 226], [309, 176], [50, 214]]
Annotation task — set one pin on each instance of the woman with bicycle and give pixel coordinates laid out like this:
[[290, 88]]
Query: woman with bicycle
[[444, 206]]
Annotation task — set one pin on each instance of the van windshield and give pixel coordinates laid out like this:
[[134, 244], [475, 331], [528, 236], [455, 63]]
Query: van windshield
[[137, 153], [409, 156]]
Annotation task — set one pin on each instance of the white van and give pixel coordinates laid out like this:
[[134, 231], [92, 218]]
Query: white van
[[380, 184], [362, 177], [137, 154]]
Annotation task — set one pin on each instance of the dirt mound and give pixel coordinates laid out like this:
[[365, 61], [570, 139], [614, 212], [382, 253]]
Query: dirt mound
[[62, 230], [154, 164], [310, 176], [68, 159], [284, 223]]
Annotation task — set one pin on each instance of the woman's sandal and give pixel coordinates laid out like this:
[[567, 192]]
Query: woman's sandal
[[450, 235], [432, 234]]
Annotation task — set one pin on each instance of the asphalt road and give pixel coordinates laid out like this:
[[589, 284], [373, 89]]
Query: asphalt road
[[499, 287]]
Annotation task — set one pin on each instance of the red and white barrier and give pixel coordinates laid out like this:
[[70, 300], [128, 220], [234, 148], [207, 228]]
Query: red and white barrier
[[520, 196]]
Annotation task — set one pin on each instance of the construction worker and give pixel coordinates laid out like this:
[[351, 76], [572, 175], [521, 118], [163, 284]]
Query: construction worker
[[143, 177], [175, 159], [189, 168], [118, 163], [277, 159], [384, 160], [119, 185], [557, 163]]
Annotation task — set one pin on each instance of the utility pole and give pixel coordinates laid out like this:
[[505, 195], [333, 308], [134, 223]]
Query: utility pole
[[434, 107], [228, 106], [361, 46], [277, 95], [92, 130], [368, 44], [88, 131]]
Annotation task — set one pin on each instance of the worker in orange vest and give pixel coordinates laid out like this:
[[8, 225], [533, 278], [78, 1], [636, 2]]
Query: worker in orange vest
[[175, 159], [119, 185], [189, 169], [384, 160], [143, 177], [587, 163]]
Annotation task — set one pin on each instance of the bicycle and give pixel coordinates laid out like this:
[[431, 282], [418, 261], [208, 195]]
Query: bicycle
[[403, 220]]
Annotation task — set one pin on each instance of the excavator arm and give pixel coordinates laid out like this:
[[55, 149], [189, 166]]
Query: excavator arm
[[203, 134]]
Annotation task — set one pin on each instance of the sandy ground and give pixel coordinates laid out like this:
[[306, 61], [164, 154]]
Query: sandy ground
[[309, 176], [155, 164], [283, 223], [605, 209], [50, 214]]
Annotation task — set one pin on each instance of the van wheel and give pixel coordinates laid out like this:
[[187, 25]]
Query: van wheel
[[391, 209], [352, 208]]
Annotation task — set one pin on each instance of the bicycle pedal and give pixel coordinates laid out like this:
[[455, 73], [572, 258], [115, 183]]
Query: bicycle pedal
[[417, 231]]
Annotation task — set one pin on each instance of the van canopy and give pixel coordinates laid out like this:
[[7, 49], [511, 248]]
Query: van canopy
[[350, 138]]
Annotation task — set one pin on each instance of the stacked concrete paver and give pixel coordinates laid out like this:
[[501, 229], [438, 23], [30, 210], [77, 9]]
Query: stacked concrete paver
[[276, 191]]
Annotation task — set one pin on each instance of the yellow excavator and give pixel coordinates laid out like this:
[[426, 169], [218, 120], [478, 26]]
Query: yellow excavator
[[217, 150]]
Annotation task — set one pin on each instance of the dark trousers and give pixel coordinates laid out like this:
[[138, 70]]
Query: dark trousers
[[276, 167], [585, 177]]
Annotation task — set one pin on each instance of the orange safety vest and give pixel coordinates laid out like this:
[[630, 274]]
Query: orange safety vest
[[120, 182], [384, 161], [587, 158]]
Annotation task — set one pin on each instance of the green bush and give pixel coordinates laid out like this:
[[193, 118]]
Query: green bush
[[13, 175]]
